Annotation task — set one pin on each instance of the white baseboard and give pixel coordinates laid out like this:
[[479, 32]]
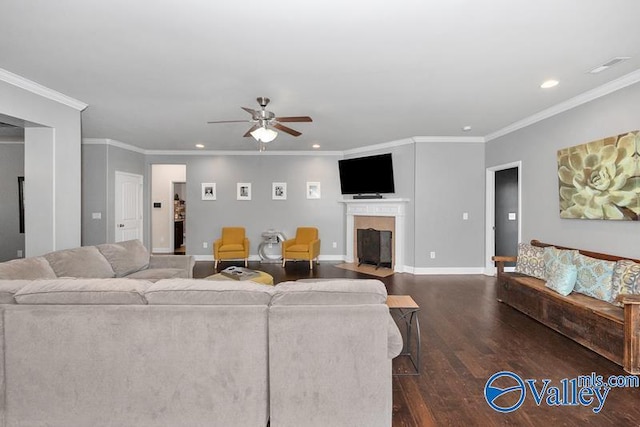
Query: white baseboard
[[257, 257], [443, 270]]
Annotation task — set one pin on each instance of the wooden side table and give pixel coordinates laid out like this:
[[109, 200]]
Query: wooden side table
[[405, 310]]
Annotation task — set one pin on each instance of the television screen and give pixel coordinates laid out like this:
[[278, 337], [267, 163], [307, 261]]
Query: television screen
[[367, 175]]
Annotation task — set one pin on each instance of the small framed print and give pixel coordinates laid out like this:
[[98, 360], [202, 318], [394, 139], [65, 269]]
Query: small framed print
[[208, 191], [279, 191], [313, 190], [244, 191]]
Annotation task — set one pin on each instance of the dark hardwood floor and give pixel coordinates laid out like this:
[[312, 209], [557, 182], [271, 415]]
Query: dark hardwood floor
[[467, 336]]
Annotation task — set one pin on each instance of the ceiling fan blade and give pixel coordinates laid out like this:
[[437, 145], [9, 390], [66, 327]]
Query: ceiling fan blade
[[230, 121], [254, 127], [251, 111], [294, 119], [286, 129]]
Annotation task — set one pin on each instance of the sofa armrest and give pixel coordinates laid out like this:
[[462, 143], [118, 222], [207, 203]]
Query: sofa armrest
[[631, 356], [500, 260], [394, 339], [185, 262]]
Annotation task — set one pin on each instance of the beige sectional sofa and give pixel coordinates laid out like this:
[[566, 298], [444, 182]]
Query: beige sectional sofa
[[129, 352], [124, 259]]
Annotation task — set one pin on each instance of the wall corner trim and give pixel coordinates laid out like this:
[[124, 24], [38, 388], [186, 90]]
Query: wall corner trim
[[38, 89]]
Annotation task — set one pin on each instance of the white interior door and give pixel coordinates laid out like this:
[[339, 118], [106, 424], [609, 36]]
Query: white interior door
[[128, 206]]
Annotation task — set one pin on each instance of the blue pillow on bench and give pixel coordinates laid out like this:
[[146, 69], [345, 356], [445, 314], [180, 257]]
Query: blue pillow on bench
[[562, 278]]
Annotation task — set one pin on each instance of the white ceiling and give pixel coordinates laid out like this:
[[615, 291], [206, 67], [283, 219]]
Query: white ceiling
[[367, 72]]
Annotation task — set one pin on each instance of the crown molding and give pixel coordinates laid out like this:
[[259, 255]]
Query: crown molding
[[381, 146], [38, 89], [451, 139], [240, 153], [583, 98], [112, 143]]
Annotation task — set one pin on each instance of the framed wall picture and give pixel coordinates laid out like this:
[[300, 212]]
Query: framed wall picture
[[313, 190], [279, 191], [208, 191], [244, 191]]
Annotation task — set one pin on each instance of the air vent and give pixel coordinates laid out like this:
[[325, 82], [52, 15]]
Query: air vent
[[610, 63]]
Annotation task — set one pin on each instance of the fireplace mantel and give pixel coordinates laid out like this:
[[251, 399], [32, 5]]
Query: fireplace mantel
[[377, 207]]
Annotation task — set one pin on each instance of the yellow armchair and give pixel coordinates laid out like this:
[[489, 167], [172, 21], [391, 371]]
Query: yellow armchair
[[306, 245], [232, 245]]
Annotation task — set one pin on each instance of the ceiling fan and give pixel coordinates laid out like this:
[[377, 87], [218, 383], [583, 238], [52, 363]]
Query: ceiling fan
[[265, 121]]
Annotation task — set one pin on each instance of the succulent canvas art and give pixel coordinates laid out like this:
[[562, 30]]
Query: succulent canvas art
[[601, 179]]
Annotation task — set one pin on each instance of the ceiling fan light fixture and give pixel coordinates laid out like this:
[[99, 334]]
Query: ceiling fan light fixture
[[264, 134]]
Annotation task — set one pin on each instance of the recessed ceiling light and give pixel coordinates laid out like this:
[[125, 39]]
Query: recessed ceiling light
[[466, 128], [316, 145], [549, 84], [199, 145]]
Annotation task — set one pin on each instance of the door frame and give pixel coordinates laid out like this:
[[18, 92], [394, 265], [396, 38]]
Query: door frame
[[140, 201], [490, 186]]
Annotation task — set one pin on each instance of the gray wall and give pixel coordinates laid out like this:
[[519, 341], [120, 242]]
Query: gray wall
[[536, 146], [206, 218], [11, 167], [99, 165], [449, 181]]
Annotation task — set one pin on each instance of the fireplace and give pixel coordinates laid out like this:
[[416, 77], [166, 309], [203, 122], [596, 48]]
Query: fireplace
[[380, 214], [374, 247]]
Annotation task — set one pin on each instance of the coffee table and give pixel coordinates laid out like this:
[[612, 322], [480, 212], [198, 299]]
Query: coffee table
[[405, 311], [263, 278]]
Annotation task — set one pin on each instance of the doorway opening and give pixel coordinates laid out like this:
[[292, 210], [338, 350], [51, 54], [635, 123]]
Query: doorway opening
[[503, 229], [168, 215]]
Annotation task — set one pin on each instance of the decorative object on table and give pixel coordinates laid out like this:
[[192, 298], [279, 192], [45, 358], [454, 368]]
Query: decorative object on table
[[232, 245], [601, 179], [264, 123], [279, 191], [270, 249], [208, 191], [313, 190], [239, 273], [244, 191], [306, 246]]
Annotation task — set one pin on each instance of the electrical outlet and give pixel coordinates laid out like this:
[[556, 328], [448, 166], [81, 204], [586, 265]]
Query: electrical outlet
[[205, 245], [465, 216], [19, 253], [335, 245], [432, 254]]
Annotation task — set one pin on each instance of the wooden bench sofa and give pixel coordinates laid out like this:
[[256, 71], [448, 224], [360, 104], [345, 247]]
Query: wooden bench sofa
[[609, 330]]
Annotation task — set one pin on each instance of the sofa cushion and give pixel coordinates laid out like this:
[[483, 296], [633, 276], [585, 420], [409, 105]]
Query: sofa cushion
[[83, 291], [562, 278], [86, 261], [8, 288], [208, 292], [530, 261], [27, 268], [625, 280], [155, 274], [594, 277], [332, 292], [125, 257]]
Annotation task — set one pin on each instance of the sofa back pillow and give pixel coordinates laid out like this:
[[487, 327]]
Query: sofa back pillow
[[125, 257], [530, 261], [553, 257], [85, 261], [625, 280], [208, 292], [330, 292], [27, 268], [562, 278], [83, 291], [594, 277]]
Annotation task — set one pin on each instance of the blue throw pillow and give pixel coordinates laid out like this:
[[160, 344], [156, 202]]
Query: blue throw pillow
[[594, 277], [562, 278]]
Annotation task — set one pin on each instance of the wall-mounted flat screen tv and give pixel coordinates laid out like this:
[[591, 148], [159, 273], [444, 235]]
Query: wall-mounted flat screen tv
[[367, 175]]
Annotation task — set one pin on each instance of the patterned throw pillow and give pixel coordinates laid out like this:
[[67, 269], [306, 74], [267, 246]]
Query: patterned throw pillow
[[626, 279], [594, 277], [553, 256], [562, 278], [530, 261]]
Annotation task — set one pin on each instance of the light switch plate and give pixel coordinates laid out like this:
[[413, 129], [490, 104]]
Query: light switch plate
[[512, 216]]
